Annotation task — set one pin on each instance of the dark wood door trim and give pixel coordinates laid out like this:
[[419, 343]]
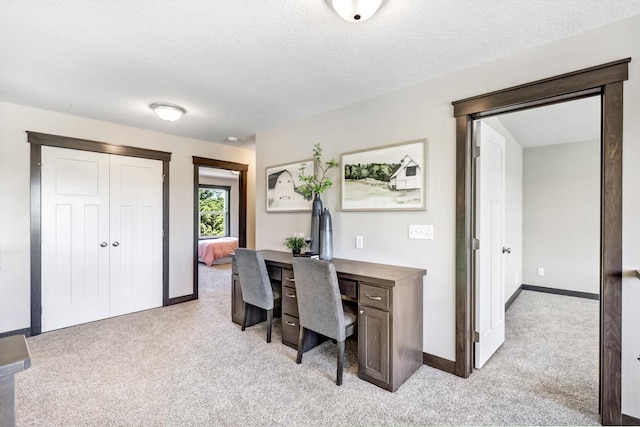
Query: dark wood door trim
[[37, 140], [611, 255], [604, 80], [36, 240], [542, 92], [242, 170]]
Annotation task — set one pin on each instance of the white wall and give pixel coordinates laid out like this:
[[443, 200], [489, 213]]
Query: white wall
[[513, 208], [425, 110], [234, 199], [15, 196], [562, 216]]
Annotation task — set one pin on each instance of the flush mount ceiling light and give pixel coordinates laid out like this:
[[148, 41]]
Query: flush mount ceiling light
[[168, 112], [355, 10]]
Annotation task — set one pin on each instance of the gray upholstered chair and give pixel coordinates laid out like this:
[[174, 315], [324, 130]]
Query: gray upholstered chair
[[257, 290], [320, 306]]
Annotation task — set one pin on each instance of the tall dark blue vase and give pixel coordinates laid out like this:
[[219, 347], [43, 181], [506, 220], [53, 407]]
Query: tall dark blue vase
[[316, 212]]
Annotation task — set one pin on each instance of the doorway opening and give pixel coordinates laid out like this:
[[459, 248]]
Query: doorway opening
[[537, 219], [220, 212], [607, 81]]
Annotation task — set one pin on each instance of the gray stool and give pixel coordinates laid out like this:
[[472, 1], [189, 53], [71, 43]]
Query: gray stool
[[14, 357]]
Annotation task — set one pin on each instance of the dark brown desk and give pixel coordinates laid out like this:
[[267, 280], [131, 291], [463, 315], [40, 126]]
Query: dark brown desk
[[14, 357], [389, 301]]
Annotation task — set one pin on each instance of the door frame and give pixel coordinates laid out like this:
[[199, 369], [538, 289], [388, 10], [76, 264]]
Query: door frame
[[242, 170], [37, 140], [605, 80]]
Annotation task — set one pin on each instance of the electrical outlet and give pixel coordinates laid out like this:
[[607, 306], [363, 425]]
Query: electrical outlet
[[359, 242], [540, 271]]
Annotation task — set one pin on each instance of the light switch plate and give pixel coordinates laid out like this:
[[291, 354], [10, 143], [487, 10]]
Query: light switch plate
[[424, 232]]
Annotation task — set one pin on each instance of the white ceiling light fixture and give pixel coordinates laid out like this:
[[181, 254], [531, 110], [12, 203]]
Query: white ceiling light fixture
[[355, 10], [167, 112]]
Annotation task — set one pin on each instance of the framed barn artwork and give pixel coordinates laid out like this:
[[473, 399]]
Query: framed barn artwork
[[389, 178], [284, 192]]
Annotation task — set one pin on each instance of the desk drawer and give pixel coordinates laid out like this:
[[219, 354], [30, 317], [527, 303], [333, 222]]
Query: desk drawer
[[275, 273], [348, 288], [289, 301], [290, 330], [287, 278], [373, 296]]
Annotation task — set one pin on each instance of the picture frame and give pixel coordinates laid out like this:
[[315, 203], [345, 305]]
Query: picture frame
[[387, 178], [282, 189]]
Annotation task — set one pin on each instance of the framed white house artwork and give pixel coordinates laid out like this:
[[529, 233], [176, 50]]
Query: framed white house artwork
[[284, 188], [388, 178]]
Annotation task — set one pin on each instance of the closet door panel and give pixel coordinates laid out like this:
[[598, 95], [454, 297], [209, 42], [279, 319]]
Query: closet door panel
[[75, 209], [136, 234]]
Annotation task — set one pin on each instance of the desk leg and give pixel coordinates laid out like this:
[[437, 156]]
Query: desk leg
[[7, 401]]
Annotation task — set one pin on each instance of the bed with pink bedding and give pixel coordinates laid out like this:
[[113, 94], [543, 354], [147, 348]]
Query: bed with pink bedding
[[212, 250]]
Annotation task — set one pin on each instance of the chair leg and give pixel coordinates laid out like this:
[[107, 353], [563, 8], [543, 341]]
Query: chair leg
[[300, 345], [244, 318], [269, 321], [340, 362]]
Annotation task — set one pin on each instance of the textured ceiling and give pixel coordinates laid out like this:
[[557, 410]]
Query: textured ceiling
[[574, 121], [242, 66]]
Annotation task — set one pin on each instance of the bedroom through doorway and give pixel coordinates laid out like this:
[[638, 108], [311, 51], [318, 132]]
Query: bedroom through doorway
[[218, 220], [219, 217]]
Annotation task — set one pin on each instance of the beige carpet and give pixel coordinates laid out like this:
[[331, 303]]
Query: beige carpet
[[188, 365]]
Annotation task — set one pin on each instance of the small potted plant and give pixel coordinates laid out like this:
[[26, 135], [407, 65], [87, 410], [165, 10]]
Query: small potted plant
[[295, 243]]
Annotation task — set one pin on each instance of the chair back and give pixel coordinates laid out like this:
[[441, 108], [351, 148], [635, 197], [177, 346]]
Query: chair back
[[318, 295], [254, 279]]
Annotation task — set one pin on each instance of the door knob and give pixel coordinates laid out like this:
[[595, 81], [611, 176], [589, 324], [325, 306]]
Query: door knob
[[506, 250], [103, 244], [116, 243]]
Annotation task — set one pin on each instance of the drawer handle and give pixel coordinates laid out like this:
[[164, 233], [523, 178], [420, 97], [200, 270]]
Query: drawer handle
[[290, 295], [289, 323], [374, 298], [290, 279]]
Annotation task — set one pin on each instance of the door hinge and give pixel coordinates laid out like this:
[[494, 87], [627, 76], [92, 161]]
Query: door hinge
[[476, 151], [163, 178], [476, 336], [475, 244]]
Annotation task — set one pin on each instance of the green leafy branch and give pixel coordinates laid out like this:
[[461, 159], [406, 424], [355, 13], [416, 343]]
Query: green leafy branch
[[312, 183]]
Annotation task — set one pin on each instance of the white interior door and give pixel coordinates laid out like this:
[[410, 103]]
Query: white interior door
[[136, 234], [75, 229], [490, 188]]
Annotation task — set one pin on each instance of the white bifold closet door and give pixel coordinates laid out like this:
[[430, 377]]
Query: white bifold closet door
[[101, 236]]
